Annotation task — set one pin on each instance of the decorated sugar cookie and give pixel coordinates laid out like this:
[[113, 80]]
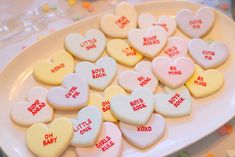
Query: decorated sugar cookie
[[98, 75], [109, 143], [135, 109], [87, 126], [208, 56], [118, 25], [73, 94], [147, 20], [204, 83], [174, 103], [141, 77], [34, 110], [52, 140], [87, 48], [176, 47], [103, 103], [53, 72], [123, 53], [173, 73], [146, 135], [148, 42], [195, 24]]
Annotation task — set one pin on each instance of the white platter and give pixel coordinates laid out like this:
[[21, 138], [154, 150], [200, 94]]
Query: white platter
[[208, 113]]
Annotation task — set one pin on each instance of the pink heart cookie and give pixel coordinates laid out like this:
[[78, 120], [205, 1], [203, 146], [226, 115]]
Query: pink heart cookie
[[195, 25], [72, 95], [146, 135], [208, 56], [109, 143], [143, 77], [173, 73], [33, 111]]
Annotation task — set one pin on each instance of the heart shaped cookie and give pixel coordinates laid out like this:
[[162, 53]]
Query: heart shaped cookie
[[73, 94], [195, 24], [87, 126], [147, 20], [87, 48], [100, 75], [50, 141], [204, 83], [34, 110], [208, 56], [173, 73], [148, 42], [135, 109], [146, 135], [141, 77], [53, 72], [109, 143], [176, 47], [174, 103], [103, 103], [123, 53], [118, 25]]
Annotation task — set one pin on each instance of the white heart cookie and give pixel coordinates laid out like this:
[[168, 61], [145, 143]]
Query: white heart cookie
[[176, 47], [146, 135], [87, 48], [73, 94], [141, 77], [175, 103], [198, 24], [100, 75], [150, 42], [208, 56], [120, 24], [87, 126], [34, 110], [147, 20], [135, 109]]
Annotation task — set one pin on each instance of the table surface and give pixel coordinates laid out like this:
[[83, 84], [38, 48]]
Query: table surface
[[212, 144]]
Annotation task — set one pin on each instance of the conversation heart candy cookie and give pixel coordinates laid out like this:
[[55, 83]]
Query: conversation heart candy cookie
[[34, 110], [87, 48], [147, 20], [109, 143], [52, 140], [53, 72], [135, 109], [173, 73], [174, 103], [87, 126], [121, 23], [98, 75], [204, 83], [148, 42], [146, 135], [123, 53], [176, 47], [141, 77], [208, 56], [195, 24], [73, 94], [103, 103]]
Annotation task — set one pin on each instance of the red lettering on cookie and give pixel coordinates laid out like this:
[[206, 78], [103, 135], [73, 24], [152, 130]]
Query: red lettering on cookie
[[55, 69], [89, 44], [105, 105], [144, 128], [83, 127], [172, 51], [49, 138], [122, 22], [36, 107], [176, 100], [105, 144], [129, 51], [72, 92], [200, 81], [196, 24], [208, 54], [98, 73], [143, 81], [173, 71], [138, 104], [152, 40]]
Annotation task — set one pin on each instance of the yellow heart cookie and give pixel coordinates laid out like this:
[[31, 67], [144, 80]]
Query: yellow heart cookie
[[204, 83], [53, 72], [123, 53], [50, 141], [104, 103]]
